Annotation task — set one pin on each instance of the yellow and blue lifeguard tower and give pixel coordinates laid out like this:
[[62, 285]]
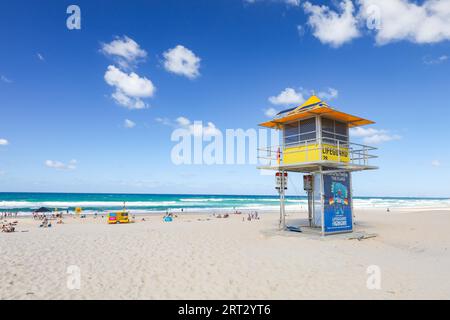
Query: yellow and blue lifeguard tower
[[315, 141]]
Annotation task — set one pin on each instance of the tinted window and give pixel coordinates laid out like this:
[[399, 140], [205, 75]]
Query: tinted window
[[299, 132], [334, 131]]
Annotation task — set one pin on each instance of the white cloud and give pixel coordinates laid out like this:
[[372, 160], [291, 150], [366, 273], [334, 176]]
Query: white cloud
[[287, 97], [331, 27], [373, 136], [380, 138], [164, 121], [129, 124], [329, 94], [430, 61], [4, 142], [364, 132], [40, 56], [182, 61], [291, 96], [428, 22], [294, 3], [195, 128], [270, 112], [128, 102], [58, 165], [436, 163], [130, 88], [5, 79], [124, 50], [421, 22], [183, 121]]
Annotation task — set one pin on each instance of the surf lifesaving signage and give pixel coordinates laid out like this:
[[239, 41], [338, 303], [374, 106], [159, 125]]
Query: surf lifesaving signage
[[281, 180], [337, 203]]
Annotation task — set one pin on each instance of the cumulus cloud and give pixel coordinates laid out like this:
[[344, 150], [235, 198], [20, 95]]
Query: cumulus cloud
[[130, 88], [183, 121], [329, 94], [271, 112], [129, 124], [291, 96], [373, 136], [195, 128], [58, 165], [421, 22], [40, 56], [124, 50], [4, 142], [428, 22], [331, 27], [287, 97], [182, 61], [436, 163]]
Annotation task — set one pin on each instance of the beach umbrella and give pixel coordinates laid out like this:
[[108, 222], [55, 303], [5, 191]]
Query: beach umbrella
[[43, 209]]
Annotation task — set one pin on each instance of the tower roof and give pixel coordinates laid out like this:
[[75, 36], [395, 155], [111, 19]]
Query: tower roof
[[314, 106]]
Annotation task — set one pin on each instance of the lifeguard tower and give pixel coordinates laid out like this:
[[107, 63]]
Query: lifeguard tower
[[315, 142]]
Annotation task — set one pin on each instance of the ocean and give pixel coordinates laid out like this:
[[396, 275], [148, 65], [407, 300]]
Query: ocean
[[28, 202]]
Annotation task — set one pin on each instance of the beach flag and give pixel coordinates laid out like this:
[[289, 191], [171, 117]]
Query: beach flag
[[278, 155]]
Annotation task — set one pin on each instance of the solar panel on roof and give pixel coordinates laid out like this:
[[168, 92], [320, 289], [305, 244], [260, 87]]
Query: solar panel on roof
[[287, 110]]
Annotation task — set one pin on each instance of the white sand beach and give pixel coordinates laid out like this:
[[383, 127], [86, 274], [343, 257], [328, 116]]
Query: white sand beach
[[198, 256]]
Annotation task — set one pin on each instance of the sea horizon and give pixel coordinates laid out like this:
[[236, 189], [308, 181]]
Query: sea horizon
[[142, 202]]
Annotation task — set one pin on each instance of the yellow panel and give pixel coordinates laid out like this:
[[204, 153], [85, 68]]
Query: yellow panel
[[311, 153], [331, 153], [311, 101]]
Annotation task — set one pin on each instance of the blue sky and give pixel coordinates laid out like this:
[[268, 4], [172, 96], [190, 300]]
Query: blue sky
[[57, 106]]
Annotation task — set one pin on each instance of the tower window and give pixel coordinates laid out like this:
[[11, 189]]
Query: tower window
[[334, 131], [300, 132]]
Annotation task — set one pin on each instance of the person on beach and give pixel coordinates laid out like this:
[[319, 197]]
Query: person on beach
[[8, 228]]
